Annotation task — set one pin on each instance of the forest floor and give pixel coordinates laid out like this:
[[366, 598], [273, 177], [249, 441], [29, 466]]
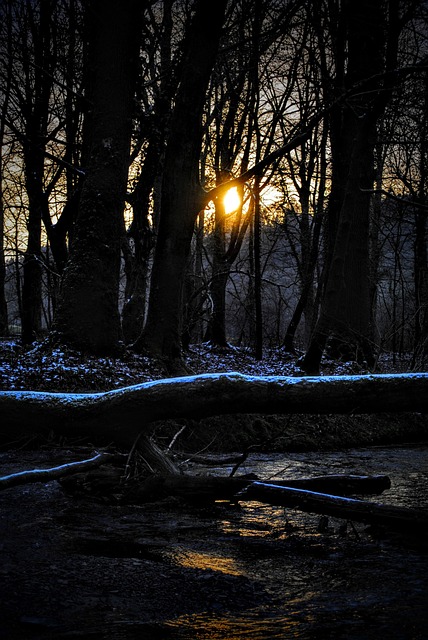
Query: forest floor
[[61, 369], [86, 566]]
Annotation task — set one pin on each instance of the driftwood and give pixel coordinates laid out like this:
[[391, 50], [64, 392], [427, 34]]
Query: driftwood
[[341, 485], [210, 461], [153, 457], [120, 415], [306, 494], [206, 489], [395, 518], [303, 494], [46, 475]]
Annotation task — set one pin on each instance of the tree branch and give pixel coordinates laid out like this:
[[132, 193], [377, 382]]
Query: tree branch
[[300, 138], [46, 475]]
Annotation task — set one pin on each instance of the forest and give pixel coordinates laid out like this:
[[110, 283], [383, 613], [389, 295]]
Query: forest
[[249, 173], [213, 319]]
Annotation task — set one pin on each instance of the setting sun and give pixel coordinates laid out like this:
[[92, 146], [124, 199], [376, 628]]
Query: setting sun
[[232, 200]]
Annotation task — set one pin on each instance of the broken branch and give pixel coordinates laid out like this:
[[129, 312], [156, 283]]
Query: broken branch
[[46, 475]]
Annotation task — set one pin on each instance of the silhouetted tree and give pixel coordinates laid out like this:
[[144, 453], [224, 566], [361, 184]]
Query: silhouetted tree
[[364, 39], [182, 196], [88, 311]]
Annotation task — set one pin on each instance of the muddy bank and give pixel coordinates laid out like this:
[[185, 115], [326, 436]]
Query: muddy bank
[[276, 433], [295, 432]]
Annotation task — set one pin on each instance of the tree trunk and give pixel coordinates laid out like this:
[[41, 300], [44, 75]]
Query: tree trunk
[[345, 307], [258, 315], [196, 291], [141, 231], [182, 196], [304, 302], [121, 415], [136, 270], [87, 315], [216, 330], [420, 247], [34, 146], [421, 284], [31, 266], [4, 323]]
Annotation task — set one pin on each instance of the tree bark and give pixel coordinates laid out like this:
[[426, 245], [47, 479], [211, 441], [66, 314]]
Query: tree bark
[[121, 415], [345, 307], [34, 146], [142, 231], [181, 195], [4, 322], [421, 235], [88, 315]]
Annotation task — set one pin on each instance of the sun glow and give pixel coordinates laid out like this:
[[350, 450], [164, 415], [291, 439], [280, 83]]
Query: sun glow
[[231, 201]]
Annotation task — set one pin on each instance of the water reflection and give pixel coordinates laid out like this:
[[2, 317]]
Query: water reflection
[[339, 584], [254, 625], [206, 561], [407, 467]]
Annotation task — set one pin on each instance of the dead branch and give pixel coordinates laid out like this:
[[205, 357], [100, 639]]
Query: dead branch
[[207, 489], [46, 475], [395, 518]]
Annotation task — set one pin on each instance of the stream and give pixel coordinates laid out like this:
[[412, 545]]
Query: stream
[[78, 568], [337, 582]]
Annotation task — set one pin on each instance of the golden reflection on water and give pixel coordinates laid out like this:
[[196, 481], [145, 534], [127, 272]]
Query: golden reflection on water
[[203, 626], [262, 521], [210, 561]]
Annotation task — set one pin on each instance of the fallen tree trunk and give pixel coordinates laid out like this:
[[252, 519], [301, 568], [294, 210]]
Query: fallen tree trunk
[[341, 485], [120, 415], [206, 489], [396, 518], [47, 475]]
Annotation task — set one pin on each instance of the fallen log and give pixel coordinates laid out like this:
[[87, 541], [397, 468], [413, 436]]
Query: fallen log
[[47, 475], [210, 461], [207, 489], [120, 415], [396, 518], [341, 485]]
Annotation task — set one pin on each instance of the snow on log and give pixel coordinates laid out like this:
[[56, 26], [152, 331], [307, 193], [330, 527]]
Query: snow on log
[[396, 518], [120, 415], [46, 475], [340, 485]]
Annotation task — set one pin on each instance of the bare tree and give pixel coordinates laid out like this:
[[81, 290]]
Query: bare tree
[[40, 122], [364, 40], [88, 315], [155, 97], [5, 16], [182, 196]]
